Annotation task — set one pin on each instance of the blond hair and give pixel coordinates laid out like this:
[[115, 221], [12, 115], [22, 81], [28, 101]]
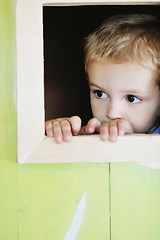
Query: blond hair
[[126, 38]]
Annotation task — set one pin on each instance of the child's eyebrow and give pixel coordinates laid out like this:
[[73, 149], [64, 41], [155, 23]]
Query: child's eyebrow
[[136, 92], [127, 91], [94, 85]]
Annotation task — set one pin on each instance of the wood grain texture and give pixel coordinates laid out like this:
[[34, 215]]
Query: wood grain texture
[[101, 2], [50, 194], [7, 82], [30, 78], [130, 148], [8, 170], [135, 197]]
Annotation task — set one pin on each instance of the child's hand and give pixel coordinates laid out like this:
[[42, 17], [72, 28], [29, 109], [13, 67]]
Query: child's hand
[[109, 131], [62, 129]]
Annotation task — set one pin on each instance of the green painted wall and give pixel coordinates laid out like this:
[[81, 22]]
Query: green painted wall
[[135, 202], [8, 176], [128, 192], [39, 202], [49, 197]]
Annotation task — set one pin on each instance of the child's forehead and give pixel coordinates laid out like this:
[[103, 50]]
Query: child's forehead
[[125, 73], [117, 67]]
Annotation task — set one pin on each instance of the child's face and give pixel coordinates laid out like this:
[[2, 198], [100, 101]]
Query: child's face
[[125, 91]]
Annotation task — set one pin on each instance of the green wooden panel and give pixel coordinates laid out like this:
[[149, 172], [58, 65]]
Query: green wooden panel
[[135, 202], [7, 82], [8, 202], [8, 183], [50, 196]]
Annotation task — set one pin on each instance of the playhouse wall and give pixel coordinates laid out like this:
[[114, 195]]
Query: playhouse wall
[[50, 197], [8, 176], [117, 201]]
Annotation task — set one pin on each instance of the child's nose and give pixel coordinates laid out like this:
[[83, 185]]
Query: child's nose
[[114, 111]]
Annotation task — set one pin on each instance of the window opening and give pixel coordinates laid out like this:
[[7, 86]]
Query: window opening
[[66, 89]]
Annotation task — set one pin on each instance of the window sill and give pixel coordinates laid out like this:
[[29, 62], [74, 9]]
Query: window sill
[[139, 148]]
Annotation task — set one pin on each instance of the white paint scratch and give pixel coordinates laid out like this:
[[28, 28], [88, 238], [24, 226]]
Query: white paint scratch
[[153, 165], [77, 219]]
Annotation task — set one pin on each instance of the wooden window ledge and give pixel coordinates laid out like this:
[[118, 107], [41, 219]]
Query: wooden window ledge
[[140, 148]]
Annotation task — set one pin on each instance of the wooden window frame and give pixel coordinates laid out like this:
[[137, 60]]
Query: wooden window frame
[[33, 145]]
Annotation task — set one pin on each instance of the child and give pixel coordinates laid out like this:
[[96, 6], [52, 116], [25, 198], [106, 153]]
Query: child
[[122, 61]]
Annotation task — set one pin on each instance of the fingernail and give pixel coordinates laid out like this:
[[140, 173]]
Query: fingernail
[[75, 134], [50, 134], [58, 140], [90, 129], [113, 139], [104, 138], [121, 133]]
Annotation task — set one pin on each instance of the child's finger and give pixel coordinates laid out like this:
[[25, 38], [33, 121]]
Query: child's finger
[[104, 133], [113, 131], [92, 126], [57, 131], [66, 130], [124, 127], [49, 128], [121, 128], [75, 122]]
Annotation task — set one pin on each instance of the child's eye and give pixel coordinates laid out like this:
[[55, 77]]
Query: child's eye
[[100, 94], [133, 99]]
